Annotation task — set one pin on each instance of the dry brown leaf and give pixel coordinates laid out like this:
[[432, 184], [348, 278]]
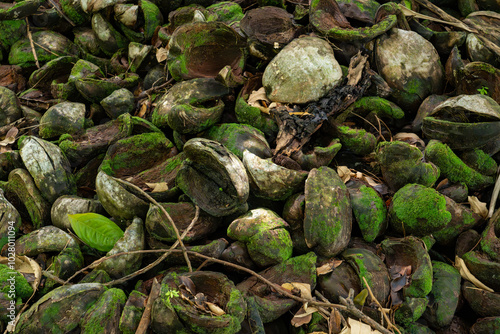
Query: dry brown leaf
[[158, 187], [215, 309], [357, 327], [10, 137], [477, 206], [143, 109], [443, 184], [335, 321], [299, 113], [345, 173], [305, 289], [256, 96], [409, 138], [466, 274], [328, 267], [161, 54], [256, 99], [5, 149], [26, 265], [303, 315], [299, 321]]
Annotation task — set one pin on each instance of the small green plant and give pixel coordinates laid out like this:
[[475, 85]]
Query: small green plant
[[171, 294], [483, 90]]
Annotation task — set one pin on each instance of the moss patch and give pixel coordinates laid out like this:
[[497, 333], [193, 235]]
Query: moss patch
[[418, 210], [454, 168], [23, 289], [101, 317], [370, 212], [357, 140]]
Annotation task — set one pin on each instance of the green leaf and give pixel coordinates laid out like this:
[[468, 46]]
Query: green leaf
[[95, 230], [360, 299]]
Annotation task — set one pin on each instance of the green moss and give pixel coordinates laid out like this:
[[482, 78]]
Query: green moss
[[50, 132], [67, 146], [50, 314], [454, 168], [327, 221], [370, 212], [429, 241], [22, 288], [12, 31], [106, 309], [480, 161], [418, 210], [410, 311], [373, 104], [357, 140], [445, 292], [22, 55], [253, 116], [227, 11], [75, 13], [402, 163], [131, 315], [448, 234], [21, 139], [64, 137], [359, 261], [236, 307], [303, 266], [152, 12], [135, 153], [159, 119], [415, 86], [270, 247], [417, 328], [342, 34], [236, 137]]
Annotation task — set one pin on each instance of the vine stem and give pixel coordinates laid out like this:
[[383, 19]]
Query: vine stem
[[165, 213]]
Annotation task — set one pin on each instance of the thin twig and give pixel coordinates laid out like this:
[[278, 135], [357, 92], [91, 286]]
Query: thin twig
[[203, 264], [46, 49], [32, 43], [52, 277], [475, 29], [408, 12], [388, 129], [348, 305], [62, 13], [146, 315], [164, 256], [145, 269], [352, 309], [389, 323], [494, 195], [323, 298], [379, 129], [102, 259], [142, 270], [153, 89], [165, 213]]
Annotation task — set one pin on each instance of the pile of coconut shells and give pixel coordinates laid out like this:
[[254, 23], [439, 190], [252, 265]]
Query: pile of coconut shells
[[327, 165]]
